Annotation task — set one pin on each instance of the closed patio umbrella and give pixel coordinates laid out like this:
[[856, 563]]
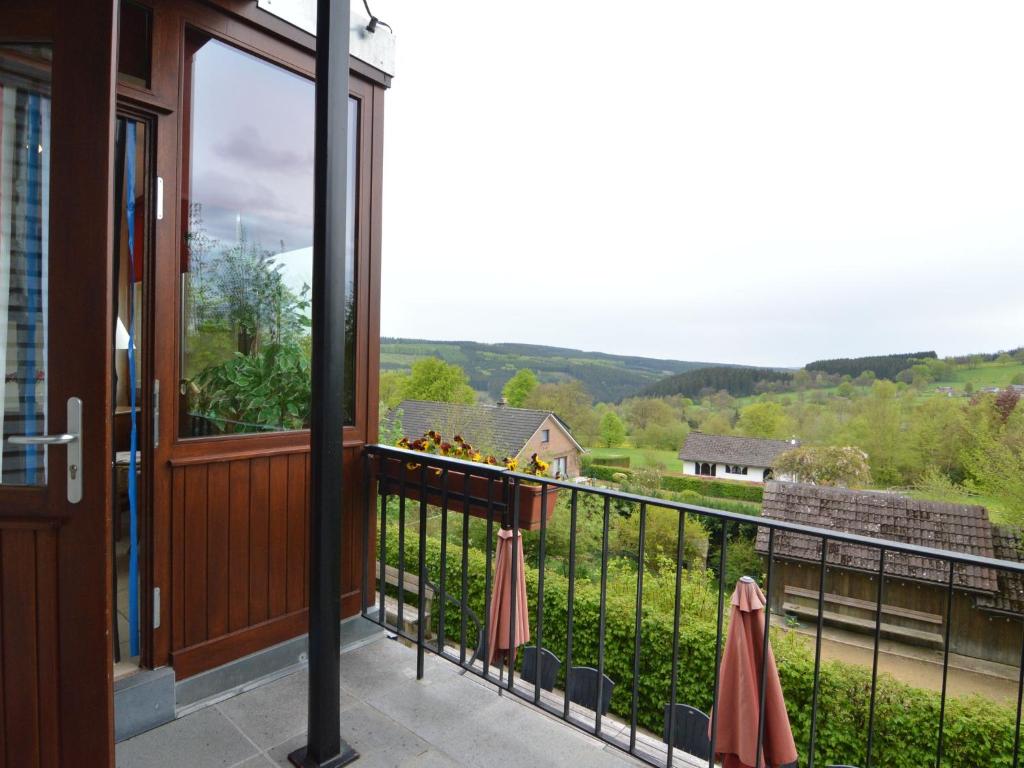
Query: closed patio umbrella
[[501, 601], [739, 690]]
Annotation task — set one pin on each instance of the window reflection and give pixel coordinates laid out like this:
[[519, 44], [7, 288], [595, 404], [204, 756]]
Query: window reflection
[[24, 256], [247, 261]]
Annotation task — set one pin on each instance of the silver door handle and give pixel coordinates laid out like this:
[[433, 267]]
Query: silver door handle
[[72, 439], [42, 439]]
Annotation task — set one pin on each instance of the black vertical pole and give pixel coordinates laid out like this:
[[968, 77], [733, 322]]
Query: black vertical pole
[[325, 748]]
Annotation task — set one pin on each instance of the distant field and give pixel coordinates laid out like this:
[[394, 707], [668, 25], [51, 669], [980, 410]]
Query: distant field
[[997, 512], [643, 457], [985, 375]]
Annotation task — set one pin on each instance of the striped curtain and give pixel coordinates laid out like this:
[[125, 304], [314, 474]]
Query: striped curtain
[[24, 224]]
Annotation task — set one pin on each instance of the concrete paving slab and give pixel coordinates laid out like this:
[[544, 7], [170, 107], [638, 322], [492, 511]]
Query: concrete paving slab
[[274, 712], [204, 739], [380, 741]]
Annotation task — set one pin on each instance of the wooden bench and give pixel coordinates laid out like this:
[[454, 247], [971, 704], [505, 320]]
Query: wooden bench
[[410, 583], [888, 630], [867, 605]]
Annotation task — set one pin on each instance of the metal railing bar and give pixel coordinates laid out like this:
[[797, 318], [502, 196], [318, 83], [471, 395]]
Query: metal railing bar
[[487, 572], [512, 585], [765, 646], [874, 662], [573, 503], [718, 639], [638, 627], [382, 584], [602, 615], [817, 652], [1020, 700], [945, 665], [680, 541], [539, 645], [421, 609], [465, 567], [401, 556], [443, 579]]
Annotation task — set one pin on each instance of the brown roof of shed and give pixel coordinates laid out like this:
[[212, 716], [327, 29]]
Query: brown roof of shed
[[730, 449], [1006, 542], [955, 527]]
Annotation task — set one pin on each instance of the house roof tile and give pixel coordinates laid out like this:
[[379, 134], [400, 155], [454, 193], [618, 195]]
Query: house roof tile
[[729, 449], [501, 430]]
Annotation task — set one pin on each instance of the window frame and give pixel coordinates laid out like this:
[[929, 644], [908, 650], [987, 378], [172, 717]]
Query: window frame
[[369, 95]]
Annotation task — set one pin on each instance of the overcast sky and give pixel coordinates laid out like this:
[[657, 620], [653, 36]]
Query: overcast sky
[[752, 182]]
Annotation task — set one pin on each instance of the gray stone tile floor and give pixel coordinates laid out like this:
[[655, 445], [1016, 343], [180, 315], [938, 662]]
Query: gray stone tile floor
[[390, 718]]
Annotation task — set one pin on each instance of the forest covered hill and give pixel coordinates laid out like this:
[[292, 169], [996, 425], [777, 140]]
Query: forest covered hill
[[607, 377]]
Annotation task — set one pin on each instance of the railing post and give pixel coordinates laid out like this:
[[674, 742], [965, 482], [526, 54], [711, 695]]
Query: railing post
[[421, 613], [817, 651], [638, 626], [677, 605], [765, 646], [723, 559], [571, 599], [874, 661], [540, 592], [602, 616], [512, 585]]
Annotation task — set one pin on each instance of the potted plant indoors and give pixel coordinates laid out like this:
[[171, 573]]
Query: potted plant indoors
[[476, 494]]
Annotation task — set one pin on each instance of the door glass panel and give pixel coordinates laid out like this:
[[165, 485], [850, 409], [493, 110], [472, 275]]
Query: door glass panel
[[247, 265], [24, 226]]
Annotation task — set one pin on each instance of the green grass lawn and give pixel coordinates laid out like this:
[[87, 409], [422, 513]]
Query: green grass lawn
[[985, 375], [642, 457]]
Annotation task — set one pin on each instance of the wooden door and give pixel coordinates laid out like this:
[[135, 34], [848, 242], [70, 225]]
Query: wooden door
[[56, 140]]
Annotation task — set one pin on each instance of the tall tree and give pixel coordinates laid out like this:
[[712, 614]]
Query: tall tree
[[763, 419], [613, 431], [433, 379], [519, 387], [572, 403]]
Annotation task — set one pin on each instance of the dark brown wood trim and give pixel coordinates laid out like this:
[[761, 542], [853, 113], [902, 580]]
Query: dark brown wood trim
[[254, 453], [369, 72], [213, 653], [250, 12]]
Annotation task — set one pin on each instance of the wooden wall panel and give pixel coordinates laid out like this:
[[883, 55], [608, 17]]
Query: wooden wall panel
[[238, 546], [194, 564], [259, 532], [241, 552], [29, 677]]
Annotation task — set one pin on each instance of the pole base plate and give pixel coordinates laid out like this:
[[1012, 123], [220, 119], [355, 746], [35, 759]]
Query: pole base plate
[[301, 759]]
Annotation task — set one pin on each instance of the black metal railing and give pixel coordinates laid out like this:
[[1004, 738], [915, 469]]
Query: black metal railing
[[494, 495]]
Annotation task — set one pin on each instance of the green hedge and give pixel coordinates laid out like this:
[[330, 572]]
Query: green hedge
[[719, 489], [977, 731], [614, 460]]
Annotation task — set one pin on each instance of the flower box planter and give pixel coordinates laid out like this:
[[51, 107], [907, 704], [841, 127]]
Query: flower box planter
[[418, 485]]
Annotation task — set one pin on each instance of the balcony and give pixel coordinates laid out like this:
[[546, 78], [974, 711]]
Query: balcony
[[647, 617], [389, 717]]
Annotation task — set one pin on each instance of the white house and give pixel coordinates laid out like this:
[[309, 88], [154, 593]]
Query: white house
[[732, 458]]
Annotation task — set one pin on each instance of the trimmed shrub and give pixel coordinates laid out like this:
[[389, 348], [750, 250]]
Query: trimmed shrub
[[616, 460], [719, 489]]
